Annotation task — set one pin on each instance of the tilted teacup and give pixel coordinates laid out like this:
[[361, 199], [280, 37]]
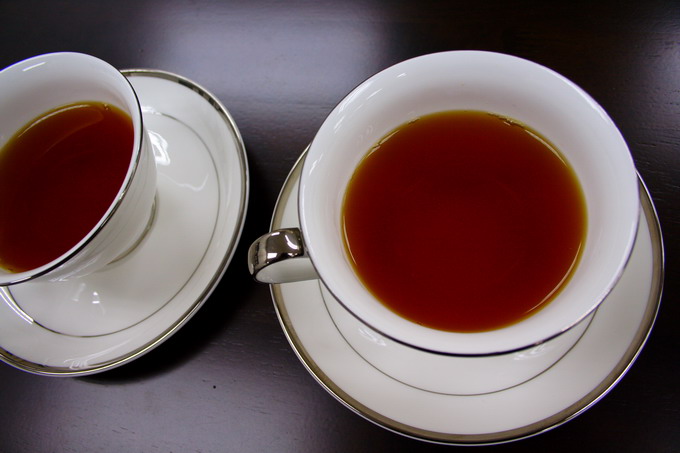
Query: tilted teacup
[[28, 91]]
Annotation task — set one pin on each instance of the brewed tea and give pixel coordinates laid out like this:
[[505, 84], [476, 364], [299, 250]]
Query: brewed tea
[[58, 176], [464, 221]]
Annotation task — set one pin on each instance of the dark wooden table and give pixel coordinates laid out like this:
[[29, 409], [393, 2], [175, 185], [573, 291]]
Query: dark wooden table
[[229, 381]]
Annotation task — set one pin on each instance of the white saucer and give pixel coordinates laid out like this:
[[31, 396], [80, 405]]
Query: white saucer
[[583, 375], [113, 316]]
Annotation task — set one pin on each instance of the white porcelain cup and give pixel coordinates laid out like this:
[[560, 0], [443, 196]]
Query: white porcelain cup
[[461, 80], [32, 87]]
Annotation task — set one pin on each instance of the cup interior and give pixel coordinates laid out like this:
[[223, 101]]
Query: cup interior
[[509, 86], [34, 86]]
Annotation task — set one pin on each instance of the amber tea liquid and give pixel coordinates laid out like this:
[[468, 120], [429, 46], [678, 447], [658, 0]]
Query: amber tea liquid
[[58, 176], [464, 221]]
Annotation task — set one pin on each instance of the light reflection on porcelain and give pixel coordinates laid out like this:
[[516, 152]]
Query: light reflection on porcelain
[[532, 353], [84, 362], [37, 65], [349, 100], [376, 92], [338, 124], [202, 185], [372, 336], [160, 148]]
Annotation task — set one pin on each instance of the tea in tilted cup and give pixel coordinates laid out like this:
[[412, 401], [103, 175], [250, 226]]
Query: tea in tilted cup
[[78, 174], [561, 122]]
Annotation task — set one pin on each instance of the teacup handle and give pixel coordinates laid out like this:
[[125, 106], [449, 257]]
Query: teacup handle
[[280, 257]]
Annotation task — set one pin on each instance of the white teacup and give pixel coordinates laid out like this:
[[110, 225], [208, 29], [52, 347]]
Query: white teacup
[[32, 87], [464, 80]]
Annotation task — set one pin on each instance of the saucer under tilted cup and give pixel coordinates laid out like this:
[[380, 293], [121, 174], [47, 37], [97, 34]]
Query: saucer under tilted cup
[[108, 318]]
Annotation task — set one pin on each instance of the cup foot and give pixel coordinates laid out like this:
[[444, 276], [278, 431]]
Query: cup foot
[[448, 374], [147, 228]]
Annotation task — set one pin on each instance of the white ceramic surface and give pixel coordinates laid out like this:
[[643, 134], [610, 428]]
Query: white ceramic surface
[[446, 374], [595, 364], [34, 86], [103, 320], [505, 85]]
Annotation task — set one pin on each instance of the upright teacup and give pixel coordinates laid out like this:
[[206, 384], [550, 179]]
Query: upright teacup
[[505, 86], [32, 93]]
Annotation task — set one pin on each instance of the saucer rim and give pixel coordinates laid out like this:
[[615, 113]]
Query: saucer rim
[[193, 304], [637, 342]]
